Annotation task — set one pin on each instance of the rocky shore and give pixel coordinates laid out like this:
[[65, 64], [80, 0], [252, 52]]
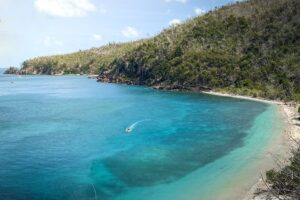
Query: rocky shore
[[105, 78]]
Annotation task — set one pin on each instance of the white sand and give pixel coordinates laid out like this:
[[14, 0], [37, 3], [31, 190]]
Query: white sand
[[291, 134]]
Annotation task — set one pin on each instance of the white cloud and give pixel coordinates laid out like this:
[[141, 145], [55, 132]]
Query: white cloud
[[200, 11], [130, 32], [179, 1], [65, 8], [48, 41], [97, 37], [174, 22]]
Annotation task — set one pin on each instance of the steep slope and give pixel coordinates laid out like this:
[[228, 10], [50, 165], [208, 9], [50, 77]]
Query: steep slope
[[250, 48]]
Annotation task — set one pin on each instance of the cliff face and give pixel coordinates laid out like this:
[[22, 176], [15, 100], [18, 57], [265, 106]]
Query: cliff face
[[250, 48]]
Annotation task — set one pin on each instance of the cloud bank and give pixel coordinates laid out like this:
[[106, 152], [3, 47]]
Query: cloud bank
[[64, 8]]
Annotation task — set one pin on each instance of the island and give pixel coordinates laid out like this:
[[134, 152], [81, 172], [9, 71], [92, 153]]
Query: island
[[244, 49]]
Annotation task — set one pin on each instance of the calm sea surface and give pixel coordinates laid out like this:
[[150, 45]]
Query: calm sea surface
[[64, 138]]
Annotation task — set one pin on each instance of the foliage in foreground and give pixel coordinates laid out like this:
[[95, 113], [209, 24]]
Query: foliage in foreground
[[285, 184]]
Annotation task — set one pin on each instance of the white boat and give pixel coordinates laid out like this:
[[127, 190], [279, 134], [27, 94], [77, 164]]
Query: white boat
[[128, 130]]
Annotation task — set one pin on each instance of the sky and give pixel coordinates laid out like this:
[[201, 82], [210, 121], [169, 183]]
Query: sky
[[32, 28]]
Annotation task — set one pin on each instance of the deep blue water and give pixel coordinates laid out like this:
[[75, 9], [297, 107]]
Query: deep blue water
[[64, 138]]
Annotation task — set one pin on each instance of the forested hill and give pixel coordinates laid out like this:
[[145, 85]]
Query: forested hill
[[250, 48], [82, 62]]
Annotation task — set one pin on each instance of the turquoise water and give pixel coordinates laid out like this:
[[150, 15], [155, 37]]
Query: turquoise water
[[65, 138]]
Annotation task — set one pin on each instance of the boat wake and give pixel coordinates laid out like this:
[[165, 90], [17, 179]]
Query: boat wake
[[132, 126]]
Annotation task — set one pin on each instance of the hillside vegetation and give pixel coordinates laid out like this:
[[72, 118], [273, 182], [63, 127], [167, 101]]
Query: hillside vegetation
[[249, 48], [82, 62], [10, 70]]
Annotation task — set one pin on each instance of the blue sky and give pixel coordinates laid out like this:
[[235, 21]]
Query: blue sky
[[31, 28]]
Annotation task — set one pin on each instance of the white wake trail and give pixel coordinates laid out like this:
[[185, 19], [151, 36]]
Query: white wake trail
[[132, 126]]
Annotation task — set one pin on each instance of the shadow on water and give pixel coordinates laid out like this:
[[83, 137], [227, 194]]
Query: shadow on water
[[70, 143], [143, 166]]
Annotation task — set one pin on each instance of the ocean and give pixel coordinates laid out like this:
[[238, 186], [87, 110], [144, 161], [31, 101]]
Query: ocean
[[64, 137]]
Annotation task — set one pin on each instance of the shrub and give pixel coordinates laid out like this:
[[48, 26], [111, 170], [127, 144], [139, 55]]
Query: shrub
[[285, 183]]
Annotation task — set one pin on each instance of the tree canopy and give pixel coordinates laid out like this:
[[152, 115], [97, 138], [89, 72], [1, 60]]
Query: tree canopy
[[249, 48]]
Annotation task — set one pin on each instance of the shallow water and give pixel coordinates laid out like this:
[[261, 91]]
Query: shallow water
[[65, 138]]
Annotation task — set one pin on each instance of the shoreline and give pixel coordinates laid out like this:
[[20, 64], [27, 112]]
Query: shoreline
[[243, 97], [291, 132], [288, 111]]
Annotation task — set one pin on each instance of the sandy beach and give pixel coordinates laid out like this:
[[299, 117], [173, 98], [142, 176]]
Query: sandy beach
[[290, 134]]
